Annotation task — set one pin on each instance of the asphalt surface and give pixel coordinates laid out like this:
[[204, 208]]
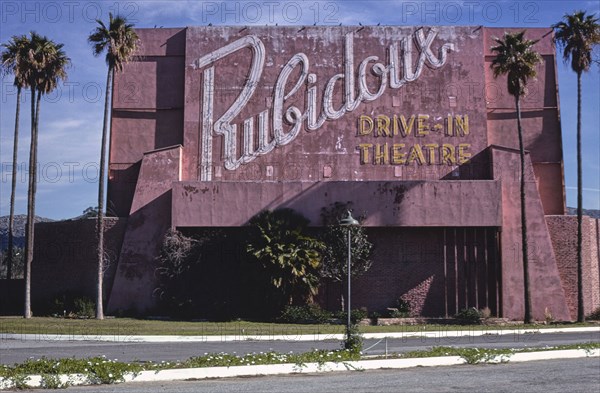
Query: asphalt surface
[[550, 376], [13, 351]]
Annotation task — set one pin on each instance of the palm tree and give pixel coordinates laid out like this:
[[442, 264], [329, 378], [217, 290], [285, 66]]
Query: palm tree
[[13, 58], [577, 35], [120, 42], [46, 65], [516, 58]]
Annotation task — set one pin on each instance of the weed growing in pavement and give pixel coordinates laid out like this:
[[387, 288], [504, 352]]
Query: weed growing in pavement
[[492, 355]]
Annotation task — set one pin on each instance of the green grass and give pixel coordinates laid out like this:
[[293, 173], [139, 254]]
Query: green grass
[[442, 328], [124, 327]]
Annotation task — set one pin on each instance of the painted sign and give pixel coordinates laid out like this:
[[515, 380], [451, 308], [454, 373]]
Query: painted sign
[[415, 126], [281, 122]]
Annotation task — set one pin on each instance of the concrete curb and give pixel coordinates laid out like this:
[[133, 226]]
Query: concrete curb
[[291, 337], [278, 369]]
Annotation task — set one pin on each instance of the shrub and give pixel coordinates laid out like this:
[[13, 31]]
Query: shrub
[[468, 316], [374, 315], [84, 307], [72, 305], [403, 306], [310, 313], [485, 312], [356, 315], [395, 313], [548, 317], [353, 340], [401, 309], [595, 315], [289, 256]]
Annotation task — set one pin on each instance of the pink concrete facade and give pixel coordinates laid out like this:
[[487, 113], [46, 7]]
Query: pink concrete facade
[[211, 125]]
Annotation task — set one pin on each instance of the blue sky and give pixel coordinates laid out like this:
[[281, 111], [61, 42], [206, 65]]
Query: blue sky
[[71, 118]]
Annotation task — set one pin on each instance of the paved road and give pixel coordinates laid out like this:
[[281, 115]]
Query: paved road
[[12, 351], [552, 376]]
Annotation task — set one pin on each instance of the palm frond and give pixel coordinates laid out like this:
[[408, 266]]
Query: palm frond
[[119, 40], [515, 58], [577, 35]]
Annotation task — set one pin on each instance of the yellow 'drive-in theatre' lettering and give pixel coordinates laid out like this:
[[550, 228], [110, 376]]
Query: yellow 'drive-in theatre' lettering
[[403, 154], [421, 126]]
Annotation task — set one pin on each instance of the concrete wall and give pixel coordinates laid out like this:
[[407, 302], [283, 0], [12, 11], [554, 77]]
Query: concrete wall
[[545, 284], [563, 231], [158, 102], [149, 219], [408, 204], [540, 116], [12, 296], [248, 140], [147, 112], [334, 145], [65, 258]]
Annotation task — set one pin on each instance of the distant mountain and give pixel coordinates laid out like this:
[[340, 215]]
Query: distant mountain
[[572, 211], [18, 229]]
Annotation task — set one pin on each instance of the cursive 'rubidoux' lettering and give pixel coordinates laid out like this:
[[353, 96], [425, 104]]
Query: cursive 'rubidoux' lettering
[[400, 70]]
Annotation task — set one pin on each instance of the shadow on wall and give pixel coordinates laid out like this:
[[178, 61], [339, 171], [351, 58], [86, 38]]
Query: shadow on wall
[[12, 297], [409, 264], [65, 258], [478, 168], [220, 281]]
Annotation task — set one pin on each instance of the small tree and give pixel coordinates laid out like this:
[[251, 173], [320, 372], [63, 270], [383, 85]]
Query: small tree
[[176, 257], [290, 257], [17, 263], [335, 238], [90, 212]]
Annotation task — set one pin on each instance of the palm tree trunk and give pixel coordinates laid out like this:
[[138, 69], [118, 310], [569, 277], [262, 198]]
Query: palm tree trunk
[[13, 189], [527, 293], [100, 221], [35, 150], [580, 311], [31, 200]]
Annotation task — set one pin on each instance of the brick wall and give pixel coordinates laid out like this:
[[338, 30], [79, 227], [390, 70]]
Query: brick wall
[[563, 231], [408, 263]]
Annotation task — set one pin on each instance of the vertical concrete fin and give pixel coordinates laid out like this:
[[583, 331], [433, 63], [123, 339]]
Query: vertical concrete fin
[[545, 283], [149, 219]]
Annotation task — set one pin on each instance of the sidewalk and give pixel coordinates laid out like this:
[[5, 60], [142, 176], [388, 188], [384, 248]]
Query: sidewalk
[[124, 338]]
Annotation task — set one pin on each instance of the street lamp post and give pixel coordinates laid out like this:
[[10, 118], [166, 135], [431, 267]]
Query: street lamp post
[[349, 222]]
